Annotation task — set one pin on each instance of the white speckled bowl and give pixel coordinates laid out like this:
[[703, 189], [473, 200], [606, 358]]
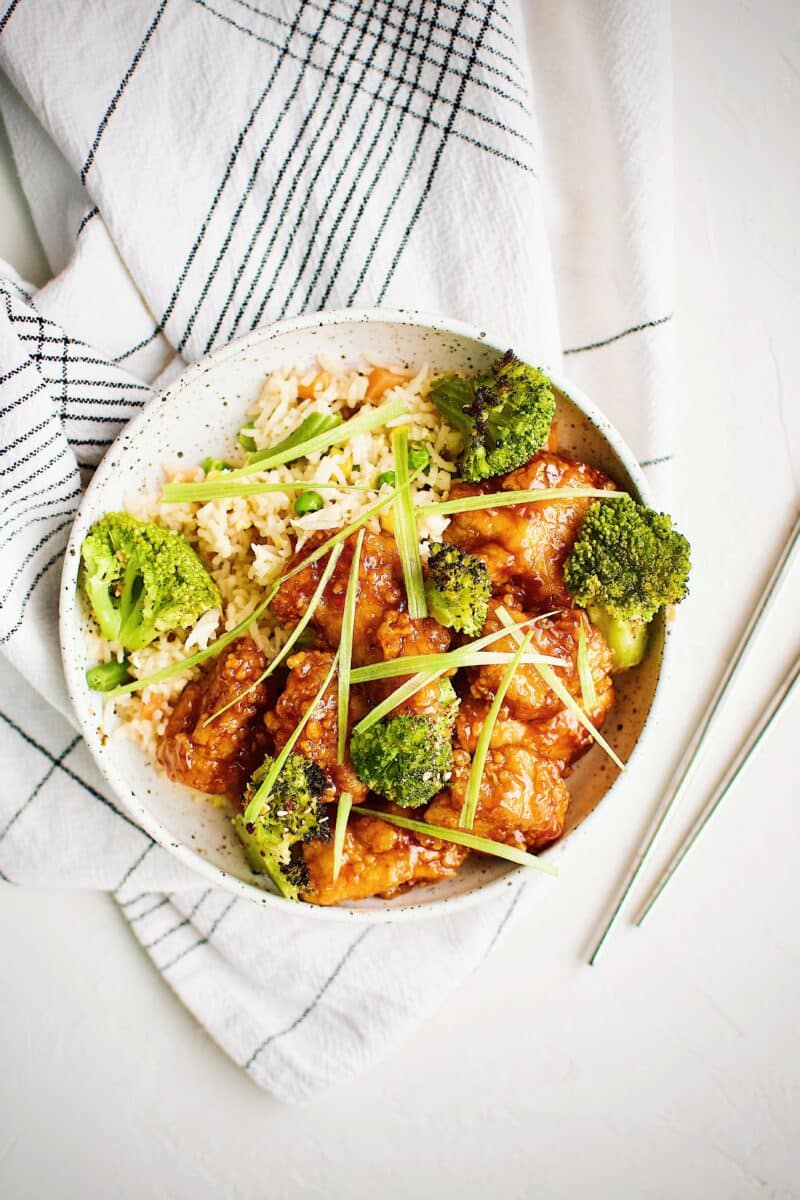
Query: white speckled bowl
[[200, 414]]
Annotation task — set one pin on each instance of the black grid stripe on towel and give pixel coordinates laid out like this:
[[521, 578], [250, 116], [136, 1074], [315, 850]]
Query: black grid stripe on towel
[[348, 80], [61, 406], [391, 85]]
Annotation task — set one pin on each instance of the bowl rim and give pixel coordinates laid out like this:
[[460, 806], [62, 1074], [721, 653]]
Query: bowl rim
[[68, 599]]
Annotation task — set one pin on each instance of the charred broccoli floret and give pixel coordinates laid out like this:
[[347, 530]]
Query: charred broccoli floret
[[293, 813], [142, 580], [503, 417], [405, 759], [627, 563], [457, 589]]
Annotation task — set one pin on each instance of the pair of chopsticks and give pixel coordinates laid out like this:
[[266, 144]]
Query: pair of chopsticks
[[692, 754]]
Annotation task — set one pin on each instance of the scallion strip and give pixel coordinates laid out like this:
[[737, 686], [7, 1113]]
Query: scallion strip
[[211, 651], [262, 792], [364, 422], [398, 696], [310, 426], [346, 649], [293, 637], [473, 789], [588, 690], [405, 531], [344, 533], [418, 681], [194, 660], [554, 683], [446, 508], [460, 838], [302, 624], [342, 817], [221, 489], [455, 660]]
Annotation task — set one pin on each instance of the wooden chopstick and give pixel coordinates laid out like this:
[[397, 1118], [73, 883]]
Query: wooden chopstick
[[693, 752], [761, 726]]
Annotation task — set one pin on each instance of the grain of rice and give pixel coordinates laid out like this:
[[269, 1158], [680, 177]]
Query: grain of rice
[[247, 541]]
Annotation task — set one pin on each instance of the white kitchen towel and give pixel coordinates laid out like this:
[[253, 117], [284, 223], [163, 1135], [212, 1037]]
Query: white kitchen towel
[[197, 168]]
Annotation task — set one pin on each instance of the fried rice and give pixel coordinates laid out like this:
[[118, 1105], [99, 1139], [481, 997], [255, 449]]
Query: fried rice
[[246, 542]]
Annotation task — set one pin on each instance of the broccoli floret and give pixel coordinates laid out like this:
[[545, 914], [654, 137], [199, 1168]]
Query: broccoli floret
[[503, 417], [294, 813], [457, 589], [627, 563], [142, 580], [406, 759]]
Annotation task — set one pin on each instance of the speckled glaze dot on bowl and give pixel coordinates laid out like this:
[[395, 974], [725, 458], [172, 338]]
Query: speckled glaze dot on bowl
[[199, 415]]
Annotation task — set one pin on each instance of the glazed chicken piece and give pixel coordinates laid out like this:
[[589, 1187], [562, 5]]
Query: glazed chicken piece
[[526, 544], [399, 636], [380, 579], [378, 860], [317, 742], [218, 758], [561, 739], [523, 800], [528, 697]]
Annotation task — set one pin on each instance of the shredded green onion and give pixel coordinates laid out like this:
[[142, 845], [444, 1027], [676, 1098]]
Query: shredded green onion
[[344, 533], [346, 649], [445, 508], [398, 696], [246, 440], [194, 660], [342, 817], [221, 489], [454, 660], [418, 681], [588, 690], [460, 838], [554, 683], [311, 425], [302, 624], [473, 790], [365, 421], [259, 798], [211, 651], [293, 637], [405, 530]]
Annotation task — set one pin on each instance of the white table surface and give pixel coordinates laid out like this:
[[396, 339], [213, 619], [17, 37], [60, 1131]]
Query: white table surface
[[672, 1069]]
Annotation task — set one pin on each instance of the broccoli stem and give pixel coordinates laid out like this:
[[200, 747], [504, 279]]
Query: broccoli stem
[[108, 675], [452, 396], [131, 604], [627, 640]]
